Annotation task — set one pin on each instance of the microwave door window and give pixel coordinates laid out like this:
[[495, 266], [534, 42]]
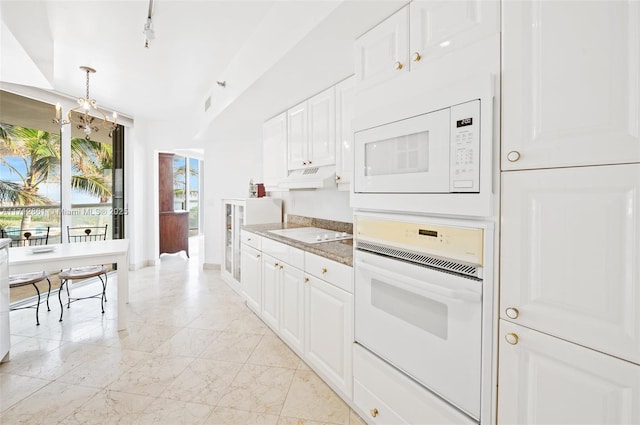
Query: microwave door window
[[405, 155]]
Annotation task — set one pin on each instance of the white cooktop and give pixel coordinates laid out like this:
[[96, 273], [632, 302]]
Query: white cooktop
[[312, 234]]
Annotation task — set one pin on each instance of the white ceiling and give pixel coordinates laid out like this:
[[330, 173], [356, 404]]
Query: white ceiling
[[196, 43]]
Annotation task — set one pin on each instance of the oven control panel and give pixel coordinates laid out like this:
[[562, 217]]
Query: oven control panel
[[457, 243], [465, 148]]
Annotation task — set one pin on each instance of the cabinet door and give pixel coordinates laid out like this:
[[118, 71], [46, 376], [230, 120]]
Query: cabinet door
[[274, 150], [545, 380], [329, 332], [292, 302], [570, 255], [251, 277], [322, 128], [439, 28], [382, 53], [297, 155], [271, 271], [570, 83], [345, 100]]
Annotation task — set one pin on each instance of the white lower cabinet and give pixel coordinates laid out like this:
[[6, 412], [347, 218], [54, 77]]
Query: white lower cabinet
[[329, 332], [384, 395], [312, 314], [292, 311], [271, 271], [545, 380], [251, 267]]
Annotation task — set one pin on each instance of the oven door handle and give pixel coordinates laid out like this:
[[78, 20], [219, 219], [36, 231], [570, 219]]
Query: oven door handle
[[415, 285]]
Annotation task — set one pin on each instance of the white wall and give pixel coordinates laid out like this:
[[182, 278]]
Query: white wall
[[329, 204]]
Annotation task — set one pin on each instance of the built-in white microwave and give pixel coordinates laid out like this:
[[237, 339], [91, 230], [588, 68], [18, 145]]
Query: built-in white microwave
[[436, 152]]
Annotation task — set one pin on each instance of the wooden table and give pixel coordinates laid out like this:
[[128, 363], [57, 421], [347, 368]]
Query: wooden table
[[23, 260]]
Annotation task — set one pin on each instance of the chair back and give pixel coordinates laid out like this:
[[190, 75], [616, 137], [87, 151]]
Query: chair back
[[87, 233], [26, 237]]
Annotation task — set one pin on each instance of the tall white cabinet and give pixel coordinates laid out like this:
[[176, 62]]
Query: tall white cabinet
[[569, 347], [235, 214]]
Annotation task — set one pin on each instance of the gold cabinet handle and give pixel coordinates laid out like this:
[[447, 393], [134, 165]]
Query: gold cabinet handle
[[374, 412], [275, 264], [324, 270], [338, 178], [306, 280], [416, 57], [513, 156], [281, 267], [511, 338], [512, 313], [397, 66]]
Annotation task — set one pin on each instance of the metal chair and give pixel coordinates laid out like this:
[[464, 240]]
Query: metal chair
[[19, 280], [87, 233], [28, 237], [84, 234]]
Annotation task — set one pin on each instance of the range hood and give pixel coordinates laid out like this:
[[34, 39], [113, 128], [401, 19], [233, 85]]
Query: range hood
[[310, 178]]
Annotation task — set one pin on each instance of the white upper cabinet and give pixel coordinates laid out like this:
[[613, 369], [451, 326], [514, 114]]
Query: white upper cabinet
[[298, 136], [544, 380], [438, 28], [274, 151], [419, 33], [345, 100], [569, 255], [383, 52], [312, 132], [570, 83], [322, 129]]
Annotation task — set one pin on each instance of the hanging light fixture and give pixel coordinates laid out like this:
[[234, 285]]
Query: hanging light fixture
[[80, 115]]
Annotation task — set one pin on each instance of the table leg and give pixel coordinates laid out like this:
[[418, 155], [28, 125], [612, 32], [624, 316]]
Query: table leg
[[123, 291]]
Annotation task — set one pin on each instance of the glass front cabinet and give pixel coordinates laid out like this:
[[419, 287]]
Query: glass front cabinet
[[237, 213]]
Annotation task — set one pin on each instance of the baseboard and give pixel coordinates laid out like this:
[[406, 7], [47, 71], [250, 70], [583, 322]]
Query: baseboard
[[210, 266]]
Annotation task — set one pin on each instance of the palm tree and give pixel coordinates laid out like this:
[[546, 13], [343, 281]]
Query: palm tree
[[40, 151]]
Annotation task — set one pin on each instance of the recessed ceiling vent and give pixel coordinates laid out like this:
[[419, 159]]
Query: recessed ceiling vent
[[207, 104]]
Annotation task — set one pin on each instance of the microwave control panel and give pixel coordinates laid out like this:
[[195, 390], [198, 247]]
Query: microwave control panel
[[465, 148]]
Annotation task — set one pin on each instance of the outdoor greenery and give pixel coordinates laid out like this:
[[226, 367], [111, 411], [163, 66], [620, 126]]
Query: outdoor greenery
[[38, 154]]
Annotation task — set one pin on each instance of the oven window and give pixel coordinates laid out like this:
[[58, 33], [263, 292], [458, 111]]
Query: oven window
[[425, 313], [399, 155]]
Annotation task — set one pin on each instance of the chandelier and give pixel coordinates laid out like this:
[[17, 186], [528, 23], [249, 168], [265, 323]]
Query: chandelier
[[80, 115]]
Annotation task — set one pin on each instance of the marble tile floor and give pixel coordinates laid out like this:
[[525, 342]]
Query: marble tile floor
[[193, 353]]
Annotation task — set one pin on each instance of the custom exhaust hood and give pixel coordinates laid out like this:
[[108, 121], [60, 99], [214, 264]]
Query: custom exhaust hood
[[310, 178]]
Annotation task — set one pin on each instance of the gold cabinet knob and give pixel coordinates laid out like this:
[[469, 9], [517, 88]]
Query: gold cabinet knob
[[248, 239], [304, 162], [513, 156], [306, 280], [324, 270], [275, 264], [511, 338], [374, 412], [512, 313], [397, 66], [257, 255], [338, 178], [281, 267], [310, 162], [416, 57]]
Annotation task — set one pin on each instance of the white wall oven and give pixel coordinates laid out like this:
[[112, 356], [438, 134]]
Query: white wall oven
[[420, 302], [432, 154]]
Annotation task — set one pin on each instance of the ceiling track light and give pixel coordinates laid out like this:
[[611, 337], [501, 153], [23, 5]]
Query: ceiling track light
[[148, 27], [83, 120]]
